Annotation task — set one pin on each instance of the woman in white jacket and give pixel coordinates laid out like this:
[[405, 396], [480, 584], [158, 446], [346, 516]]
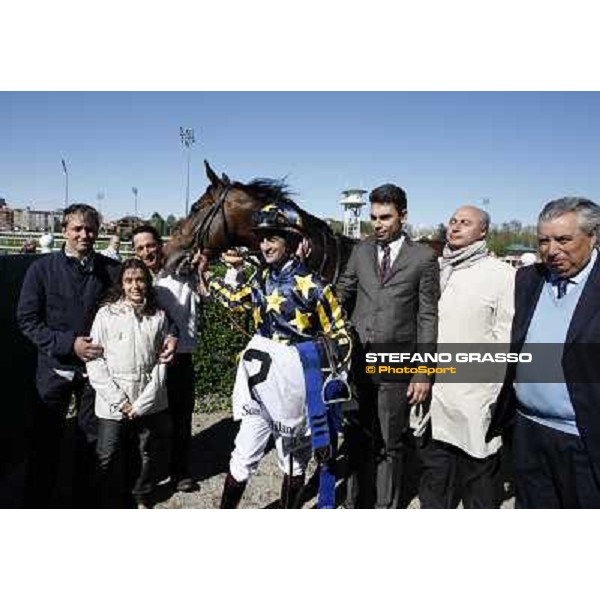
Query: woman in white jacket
[[131, 397]]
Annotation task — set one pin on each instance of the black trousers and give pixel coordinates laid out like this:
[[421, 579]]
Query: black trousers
[[49, 424], [181, 393], [129, 458], [450, 476], [376, 441], [552, 469]]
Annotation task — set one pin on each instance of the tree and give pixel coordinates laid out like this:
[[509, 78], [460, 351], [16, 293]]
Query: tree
[[158, 223], [440, 232], [170, 223]]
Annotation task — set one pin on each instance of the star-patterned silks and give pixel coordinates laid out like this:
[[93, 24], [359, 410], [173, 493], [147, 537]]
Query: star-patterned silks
[[289, 305], [274, 301], [304, 284], [301, 322]]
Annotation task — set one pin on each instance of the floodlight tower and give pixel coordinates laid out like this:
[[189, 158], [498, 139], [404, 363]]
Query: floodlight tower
[[352, 201], [135, 200], [99, 198], [66, 171], [187, 139]]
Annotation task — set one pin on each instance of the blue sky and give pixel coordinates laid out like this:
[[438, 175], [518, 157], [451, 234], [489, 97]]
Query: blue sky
[[518, 149]]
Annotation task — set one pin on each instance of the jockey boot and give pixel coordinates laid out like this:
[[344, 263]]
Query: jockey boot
[[291, 491], [232, 492]]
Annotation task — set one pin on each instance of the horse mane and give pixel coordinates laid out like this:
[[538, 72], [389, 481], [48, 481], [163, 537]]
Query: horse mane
[[263, 189], [277, 190], [266, 191]]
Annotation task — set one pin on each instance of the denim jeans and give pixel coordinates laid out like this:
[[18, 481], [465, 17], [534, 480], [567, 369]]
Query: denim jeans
[[129, 457]]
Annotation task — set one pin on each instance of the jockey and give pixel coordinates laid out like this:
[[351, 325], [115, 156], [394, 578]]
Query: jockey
[[279, 389]]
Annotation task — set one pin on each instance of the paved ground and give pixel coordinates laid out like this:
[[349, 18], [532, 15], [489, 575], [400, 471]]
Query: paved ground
[[213, 436], [212, 443]]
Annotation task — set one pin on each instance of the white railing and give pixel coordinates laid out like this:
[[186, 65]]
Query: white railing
[[11, 242]]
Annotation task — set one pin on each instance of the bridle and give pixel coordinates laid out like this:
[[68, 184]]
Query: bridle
[[200, 232]]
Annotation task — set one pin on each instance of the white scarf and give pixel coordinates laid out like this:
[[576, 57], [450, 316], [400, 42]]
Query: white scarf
[[462, 258]]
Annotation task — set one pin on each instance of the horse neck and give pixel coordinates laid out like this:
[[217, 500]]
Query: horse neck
[[323, 256]]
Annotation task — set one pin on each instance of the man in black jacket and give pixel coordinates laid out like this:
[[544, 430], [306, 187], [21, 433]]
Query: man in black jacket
[[556, 408], [57, 305]]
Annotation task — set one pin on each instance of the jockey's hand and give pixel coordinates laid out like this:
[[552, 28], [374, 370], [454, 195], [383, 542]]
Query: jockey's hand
[[418, 392], [304, 249], [323, 454]]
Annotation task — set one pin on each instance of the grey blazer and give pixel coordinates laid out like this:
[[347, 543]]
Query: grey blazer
[[402, 309]]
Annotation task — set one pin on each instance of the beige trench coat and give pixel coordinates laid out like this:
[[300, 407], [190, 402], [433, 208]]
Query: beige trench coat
[[477, 306]]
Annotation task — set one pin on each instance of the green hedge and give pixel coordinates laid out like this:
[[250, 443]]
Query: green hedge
[[215, 360]]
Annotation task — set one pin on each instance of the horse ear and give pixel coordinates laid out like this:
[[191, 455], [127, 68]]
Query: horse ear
[[225, 178], [212, 176]]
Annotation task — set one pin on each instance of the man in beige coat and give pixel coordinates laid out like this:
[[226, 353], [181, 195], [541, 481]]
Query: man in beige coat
[[476, 307]]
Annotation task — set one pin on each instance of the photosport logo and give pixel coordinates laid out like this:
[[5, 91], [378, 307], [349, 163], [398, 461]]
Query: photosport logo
[[407, 370]]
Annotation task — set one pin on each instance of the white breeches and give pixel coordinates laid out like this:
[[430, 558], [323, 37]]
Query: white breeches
[[251, 442]]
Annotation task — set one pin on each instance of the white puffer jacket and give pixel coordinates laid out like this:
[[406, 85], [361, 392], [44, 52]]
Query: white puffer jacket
[[129, 369]]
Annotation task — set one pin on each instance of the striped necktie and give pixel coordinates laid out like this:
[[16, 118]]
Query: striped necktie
[[384, 270]]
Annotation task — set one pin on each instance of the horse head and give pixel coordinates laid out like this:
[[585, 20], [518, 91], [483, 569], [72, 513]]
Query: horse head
[[222, 218], [219, 219]]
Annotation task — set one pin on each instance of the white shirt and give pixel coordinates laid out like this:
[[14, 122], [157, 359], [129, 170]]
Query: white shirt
[[581, 277], [178, 298], [395, 247], [111, 253]]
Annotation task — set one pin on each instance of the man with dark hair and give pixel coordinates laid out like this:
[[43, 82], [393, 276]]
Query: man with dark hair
[[391, 289], [57, 305], [279, 391], [556, 409], [177, 296], [389, 193]]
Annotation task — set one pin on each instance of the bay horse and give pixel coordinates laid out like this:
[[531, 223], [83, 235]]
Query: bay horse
[[222, 218]]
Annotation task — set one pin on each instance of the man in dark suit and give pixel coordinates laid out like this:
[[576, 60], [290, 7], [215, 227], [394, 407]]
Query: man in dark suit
[[391, 289], [556, 441], [58, 301]]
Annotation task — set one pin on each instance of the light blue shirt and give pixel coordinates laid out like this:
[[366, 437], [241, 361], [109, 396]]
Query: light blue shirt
[[549, 403]]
